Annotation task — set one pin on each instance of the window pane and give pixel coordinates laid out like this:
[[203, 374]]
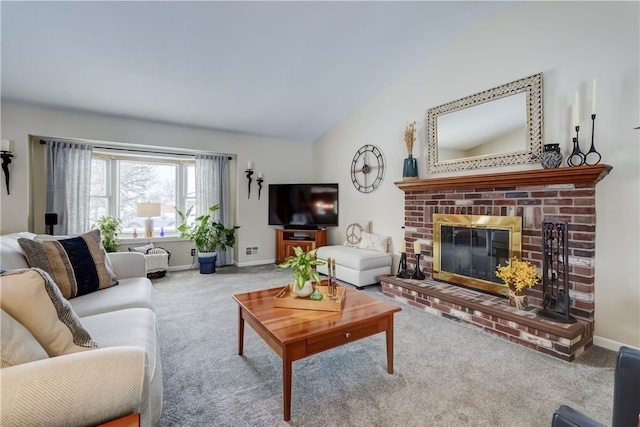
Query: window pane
[[98, 200], [147, 182], [98, 177]]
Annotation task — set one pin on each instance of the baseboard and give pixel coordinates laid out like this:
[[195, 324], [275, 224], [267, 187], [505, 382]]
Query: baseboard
[[252, 263], [609, 344], [182, 267]]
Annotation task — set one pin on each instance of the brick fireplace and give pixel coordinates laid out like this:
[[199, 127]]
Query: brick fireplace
[[563, 194]]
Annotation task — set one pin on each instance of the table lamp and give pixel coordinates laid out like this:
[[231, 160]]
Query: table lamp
[[149, 210]]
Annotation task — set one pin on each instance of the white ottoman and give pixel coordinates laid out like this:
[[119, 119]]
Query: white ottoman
[[359, 267]]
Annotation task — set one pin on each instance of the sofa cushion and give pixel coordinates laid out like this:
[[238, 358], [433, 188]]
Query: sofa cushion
[[374, 242], [17, 345], [78, 265], [355, 258], [33, 299], [129, 327], [136, 292], [11, 255]]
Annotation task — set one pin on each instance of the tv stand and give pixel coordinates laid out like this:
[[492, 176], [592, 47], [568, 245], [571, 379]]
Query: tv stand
[[289, 238], [301, 227]]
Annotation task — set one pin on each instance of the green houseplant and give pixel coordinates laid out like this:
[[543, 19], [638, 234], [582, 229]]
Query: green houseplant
[[109, 227], [207, 233], [302, 267]]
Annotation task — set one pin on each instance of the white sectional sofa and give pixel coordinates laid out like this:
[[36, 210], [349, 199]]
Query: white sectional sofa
[[360, 259], [122, 376]]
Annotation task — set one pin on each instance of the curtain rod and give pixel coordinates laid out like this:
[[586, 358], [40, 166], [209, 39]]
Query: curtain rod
[[131, 150]]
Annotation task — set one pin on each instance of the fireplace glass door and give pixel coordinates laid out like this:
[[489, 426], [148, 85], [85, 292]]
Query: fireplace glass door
[[468, 248], [473, 252]]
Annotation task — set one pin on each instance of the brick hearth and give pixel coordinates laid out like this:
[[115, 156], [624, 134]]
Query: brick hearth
[[566, 194]]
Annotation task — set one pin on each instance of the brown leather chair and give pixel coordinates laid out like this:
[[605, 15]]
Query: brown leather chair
[[626, 396]]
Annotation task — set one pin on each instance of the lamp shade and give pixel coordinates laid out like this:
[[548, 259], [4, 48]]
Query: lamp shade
[[148, 209]]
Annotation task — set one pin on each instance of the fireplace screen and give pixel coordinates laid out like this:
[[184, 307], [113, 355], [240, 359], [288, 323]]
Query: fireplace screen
[[467, 249]]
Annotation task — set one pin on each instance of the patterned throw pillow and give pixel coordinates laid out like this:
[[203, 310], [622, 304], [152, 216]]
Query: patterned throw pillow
[[78, 265], [354, 233], [32, 298], [374, 242]]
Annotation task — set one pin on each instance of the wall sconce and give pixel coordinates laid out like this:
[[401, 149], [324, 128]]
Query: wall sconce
[[6, 155], [148, 210], [249, 172], [260, 180]]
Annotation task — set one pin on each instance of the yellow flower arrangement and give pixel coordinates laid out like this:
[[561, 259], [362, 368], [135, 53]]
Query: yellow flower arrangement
[[518, 274]]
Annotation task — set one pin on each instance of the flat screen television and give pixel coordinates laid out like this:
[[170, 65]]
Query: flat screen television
[[303, 206]]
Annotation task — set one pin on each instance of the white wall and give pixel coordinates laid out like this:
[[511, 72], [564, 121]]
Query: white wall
[[570, 43], [280, 161]]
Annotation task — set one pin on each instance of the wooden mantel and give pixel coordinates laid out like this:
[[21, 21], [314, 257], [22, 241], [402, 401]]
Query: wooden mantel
[[564, 175]]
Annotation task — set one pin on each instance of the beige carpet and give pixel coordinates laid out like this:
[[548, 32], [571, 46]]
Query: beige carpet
[[446, 374]]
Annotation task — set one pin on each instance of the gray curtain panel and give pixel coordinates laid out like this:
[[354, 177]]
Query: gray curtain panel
[[69, 185], [212, 188]]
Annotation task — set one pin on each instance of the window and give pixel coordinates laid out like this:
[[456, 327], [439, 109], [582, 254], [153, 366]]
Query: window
[[118, 184]]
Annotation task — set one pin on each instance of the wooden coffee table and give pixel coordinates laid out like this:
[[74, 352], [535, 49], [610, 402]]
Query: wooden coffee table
[[295, 333]]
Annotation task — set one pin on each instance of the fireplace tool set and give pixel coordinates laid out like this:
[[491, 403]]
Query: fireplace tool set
[[556, 302]]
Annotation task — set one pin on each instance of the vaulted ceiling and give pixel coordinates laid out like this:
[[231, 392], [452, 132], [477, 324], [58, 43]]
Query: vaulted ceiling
[[285, 70]]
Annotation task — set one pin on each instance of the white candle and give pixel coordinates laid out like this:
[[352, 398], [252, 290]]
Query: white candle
[[403, 246], [576, 111], [259, 174], [249, 165], [6, 145], [593, 97], [416, 247]]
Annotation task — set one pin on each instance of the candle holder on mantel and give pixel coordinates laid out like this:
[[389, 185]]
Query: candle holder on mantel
[[418, 275], [402, 266], [592, 157], [576, 158]]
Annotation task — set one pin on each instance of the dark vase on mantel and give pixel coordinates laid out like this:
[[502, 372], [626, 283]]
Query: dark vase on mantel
[[410, 169], [551, 156]]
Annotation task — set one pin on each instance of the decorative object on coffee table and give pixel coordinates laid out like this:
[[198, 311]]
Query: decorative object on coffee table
[[286, 298], [410, 167], [518, 275], [302, 266], [551, 156]]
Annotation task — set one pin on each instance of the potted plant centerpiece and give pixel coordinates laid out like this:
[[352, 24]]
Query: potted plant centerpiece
[[208, 234], [302, 266], [518, 275], [109, 227]]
